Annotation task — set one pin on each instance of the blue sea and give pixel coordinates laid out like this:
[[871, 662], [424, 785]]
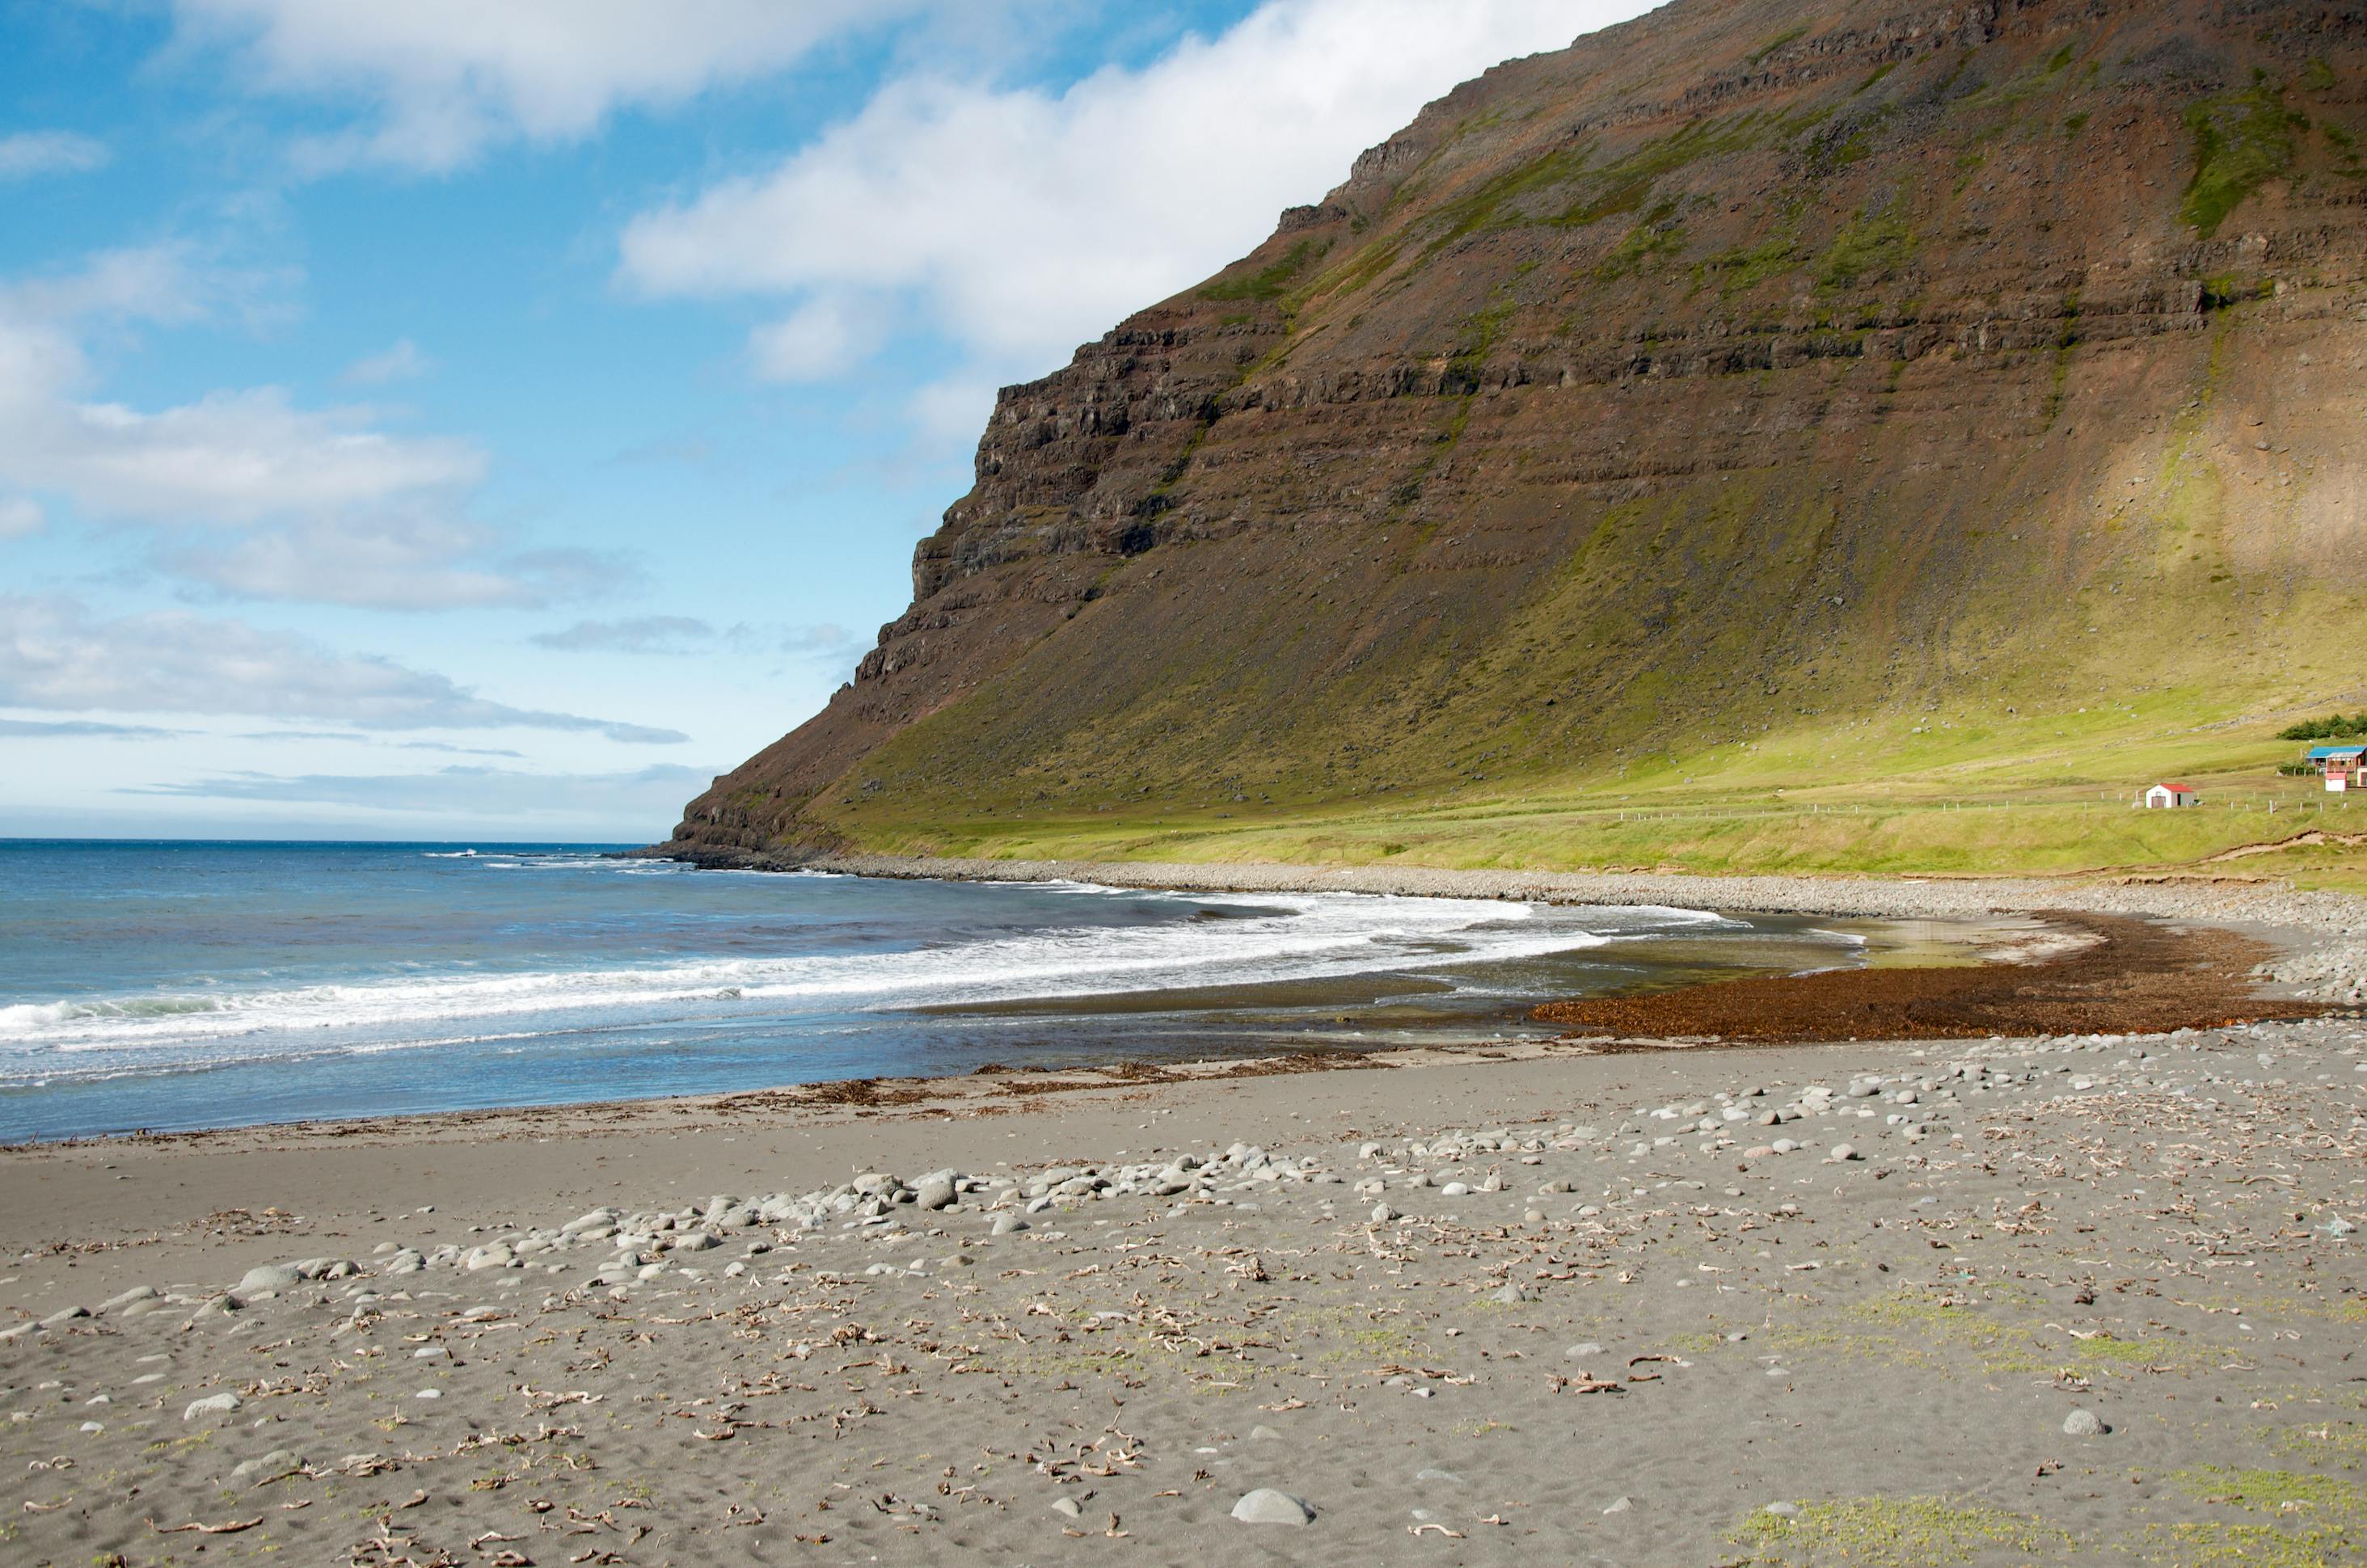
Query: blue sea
[[184, 985]]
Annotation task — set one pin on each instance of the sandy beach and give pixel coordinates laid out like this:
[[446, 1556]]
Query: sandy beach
[[2092, 1296]]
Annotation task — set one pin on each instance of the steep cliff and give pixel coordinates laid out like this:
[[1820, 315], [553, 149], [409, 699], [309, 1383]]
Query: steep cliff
[[1750, 369]]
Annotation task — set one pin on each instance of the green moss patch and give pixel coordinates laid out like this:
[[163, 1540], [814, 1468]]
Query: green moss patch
[[1899, 1532], [2318, 1520], [1789, 35], [1931, 1332], [1870, 249], [2342, 1443], [1268, 282], [2242, 141], [1734, 271]]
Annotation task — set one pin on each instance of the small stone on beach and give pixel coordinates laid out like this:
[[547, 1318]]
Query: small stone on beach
[[1267, 1507]]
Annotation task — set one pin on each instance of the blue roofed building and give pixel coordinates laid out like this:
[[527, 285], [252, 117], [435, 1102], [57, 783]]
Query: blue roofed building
[[2340, 766]]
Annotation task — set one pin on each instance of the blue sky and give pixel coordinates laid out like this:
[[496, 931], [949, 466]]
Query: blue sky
[[453, 419]]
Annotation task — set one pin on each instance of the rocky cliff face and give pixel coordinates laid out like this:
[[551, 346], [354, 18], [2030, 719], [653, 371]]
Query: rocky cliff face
[[1747, 367]]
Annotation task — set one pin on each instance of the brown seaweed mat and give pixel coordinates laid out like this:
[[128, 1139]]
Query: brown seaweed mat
[[2138, 978]]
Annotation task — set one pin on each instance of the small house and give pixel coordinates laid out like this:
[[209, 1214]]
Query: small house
[[2172, 795], [2343, 767]]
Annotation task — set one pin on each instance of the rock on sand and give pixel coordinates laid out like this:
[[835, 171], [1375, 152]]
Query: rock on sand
[[1267, 1507]]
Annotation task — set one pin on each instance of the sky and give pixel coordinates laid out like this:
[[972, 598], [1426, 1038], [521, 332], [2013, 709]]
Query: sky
[[451, 419]]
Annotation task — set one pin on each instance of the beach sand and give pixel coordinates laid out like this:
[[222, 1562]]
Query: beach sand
[[1531, 1303]]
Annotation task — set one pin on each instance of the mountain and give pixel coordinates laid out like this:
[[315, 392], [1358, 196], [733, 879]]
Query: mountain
[[1750, 374]]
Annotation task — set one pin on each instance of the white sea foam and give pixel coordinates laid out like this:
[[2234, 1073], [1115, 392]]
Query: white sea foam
[[1296, 937]]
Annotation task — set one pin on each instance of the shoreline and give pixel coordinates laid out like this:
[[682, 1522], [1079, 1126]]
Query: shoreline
[[1876, 895], [2319, 939], [1905, 897], [1675, 1018], [2315, 944], [1589, 1302]]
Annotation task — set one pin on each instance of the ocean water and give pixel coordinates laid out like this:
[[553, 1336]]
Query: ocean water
[[184, 985]]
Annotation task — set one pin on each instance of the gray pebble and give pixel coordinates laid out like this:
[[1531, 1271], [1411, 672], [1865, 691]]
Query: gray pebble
[[1267, 1507], [269, 1467]]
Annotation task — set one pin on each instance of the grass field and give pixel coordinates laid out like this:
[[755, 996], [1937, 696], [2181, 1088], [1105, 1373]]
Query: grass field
[[2052, 797]]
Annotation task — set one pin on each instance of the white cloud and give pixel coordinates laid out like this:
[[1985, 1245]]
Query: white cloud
[[231, 457], [949, 412], [31, 152], [20, 515], [643, 634], [403, 362], [387, 561], [1021, 222], [826, 336], [55, 656], [458, 750], [652, 796], [246, 490], [139, 283], [81, 729], [824, 643], [449, 76]]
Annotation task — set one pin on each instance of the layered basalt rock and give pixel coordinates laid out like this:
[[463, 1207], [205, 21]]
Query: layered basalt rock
[[1734, 367]]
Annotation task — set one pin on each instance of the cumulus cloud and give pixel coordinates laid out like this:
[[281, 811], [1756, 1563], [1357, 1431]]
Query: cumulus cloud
[[30, 153], [246, 490], [402, 362], [54, 655], [447, 77], [652, 795], [1021, 221], [826, 336]]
